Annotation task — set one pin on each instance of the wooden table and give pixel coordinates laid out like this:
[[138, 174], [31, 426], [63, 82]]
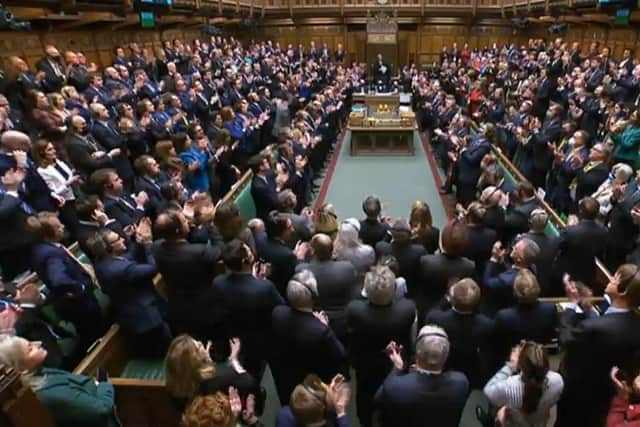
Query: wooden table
[[382, 141]]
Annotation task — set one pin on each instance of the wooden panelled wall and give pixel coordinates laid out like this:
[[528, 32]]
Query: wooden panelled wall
[[420, 43]]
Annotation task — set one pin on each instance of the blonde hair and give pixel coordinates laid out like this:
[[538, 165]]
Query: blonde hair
[[186, 366], [209, 411], [12, 355], [525, 287]]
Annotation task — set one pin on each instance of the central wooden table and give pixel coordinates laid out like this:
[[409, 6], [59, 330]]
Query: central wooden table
[[381, 141]]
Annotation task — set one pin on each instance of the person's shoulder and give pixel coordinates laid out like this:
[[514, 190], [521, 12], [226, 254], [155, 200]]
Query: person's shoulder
[[456, 379]]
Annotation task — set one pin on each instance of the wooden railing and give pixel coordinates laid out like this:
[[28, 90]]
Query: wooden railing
[[603, 274]]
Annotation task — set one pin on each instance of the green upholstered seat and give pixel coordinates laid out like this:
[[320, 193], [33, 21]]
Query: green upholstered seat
[[245, 203], [144, 369]]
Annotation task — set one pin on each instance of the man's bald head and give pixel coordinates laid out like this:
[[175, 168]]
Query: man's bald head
[[77, 121], [14, 140], [322, 247]]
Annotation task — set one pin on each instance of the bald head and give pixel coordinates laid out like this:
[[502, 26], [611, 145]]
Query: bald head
[[322, 247], [14, 140]]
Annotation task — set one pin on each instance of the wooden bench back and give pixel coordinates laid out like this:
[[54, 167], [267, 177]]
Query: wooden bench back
[[20, 405]]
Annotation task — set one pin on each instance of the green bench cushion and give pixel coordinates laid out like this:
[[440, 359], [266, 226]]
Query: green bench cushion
[[245, 203], [144, 369]]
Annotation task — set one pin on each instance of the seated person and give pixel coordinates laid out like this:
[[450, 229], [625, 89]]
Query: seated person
[[72, 400]]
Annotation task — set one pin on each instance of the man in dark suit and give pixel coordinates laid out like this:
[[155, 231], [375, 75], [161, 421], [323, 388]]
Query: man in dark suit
[[594, 172], [548, 245], [86, 155], [519, 211], [440, 270], [550, 133], [92, 219], [276, 251], [406, 253], [109, 136], [623, 231], [593, 345], [381, 73], [529, 319], [14, 147], [371, 325], [582, 243], [303, 340], [426, 394], [372, 229], [468, 164], [545, 91], [126, 276], [247, 302], [149, 180], [193, 308], [53, 69], [127, 210], [97, 93], [499, 275], [469, 332], [594, 74], [337, 282], [480, 238], [263, 187]]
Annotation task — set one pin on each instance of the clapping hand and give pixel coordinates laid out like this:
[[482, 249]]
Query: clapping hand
[[339, 394], [621, 387], [498, 252], [322, 317], [514, 357], [143, 231], [394, 351]]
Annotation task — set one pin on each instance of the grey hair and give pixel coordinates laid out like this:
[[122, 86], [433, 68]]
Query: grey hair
[[490, 196], [622, 171], [12, 356], [301, 289], [432, 348], [531, 250], [538, 220], [380, 284]]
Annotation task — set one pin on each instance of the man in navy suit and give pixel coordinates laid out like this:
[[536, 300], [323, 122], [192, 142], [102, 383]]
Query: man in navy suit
[[109, 136], [97, 93], [70, 285], [127, 210], [127, 278], [499, 276], [426, 394], [469, 164], [263, 187], [303, 339], [15, 240], [248, 302], [149, 180], [14, 147]]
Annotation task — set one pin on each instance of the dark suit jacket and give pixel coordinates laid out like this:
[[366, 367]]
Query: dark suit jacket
[[303, 345], [283, 263], [248, 303], [536, 322], [372, 232], [480, 240], [193, 308], [469, 337], [58, 271], [408, 256], [33, 325], [128, 281], [371, 327], [414, 399], [588, 182], [110, 139], [79, 152], [34, 189], [517, 218], [265, 196], [337, 285], [469, 162], [152, 188], [52, 82], [579, 245], [125, 214], [13, 223], [544, 261], [437, 271], [593, 346], [543, 156]]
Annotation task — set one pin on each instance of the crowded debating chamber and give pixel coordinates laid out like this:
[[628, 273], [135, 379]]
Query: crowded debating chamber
[[306, 213]]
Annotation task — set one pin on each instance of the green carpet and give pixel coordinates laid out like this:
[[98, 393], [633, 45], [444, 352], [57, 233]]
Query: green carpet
[[397, 180]]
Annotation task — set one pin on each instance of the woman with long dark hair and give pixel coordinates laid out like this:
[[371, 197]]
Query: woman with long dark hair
[[526, 385]]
